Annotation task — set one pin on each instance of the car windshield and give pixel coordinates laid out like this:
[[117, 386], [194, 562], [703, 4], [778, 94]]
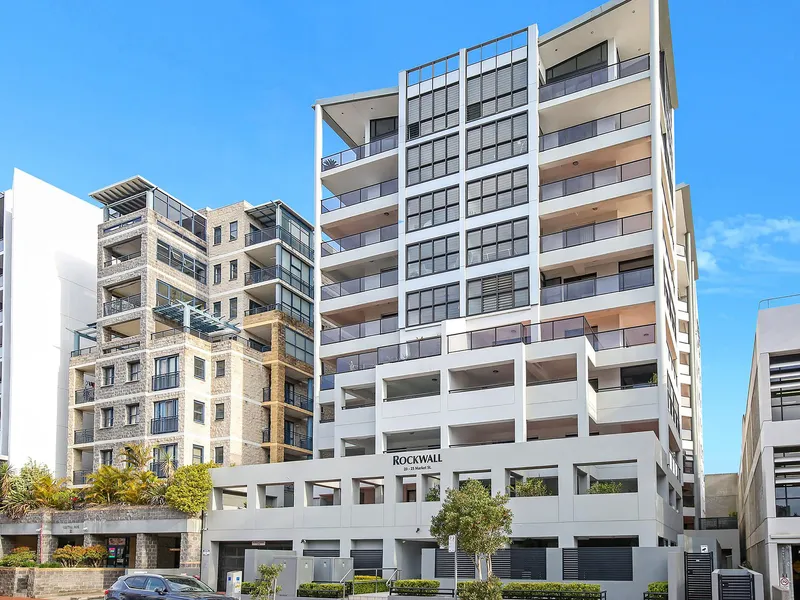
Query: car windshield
[[187, 584]]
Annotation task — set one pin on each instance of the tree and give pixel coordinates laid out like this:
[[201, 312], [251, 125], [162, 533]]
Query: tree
[[136, 456], [21, 496], [533, 486], [266, 586], [189, 488], [105, 485], [482, 523]]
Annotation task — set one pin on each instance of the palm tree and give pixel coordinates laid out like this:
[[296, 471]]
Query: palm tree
[[106, 485], [137, 456]]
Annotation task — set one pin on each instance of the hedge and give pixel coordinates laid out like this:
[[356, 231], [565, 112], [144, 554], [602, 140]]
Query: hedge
[[365, 584], [415, 587], [321, 590], [659, 587], [480, 590], [550, 586]]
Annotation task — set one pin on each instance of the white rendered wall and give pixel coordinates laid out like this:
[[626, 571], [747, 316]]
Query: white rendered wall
[[50, 290]]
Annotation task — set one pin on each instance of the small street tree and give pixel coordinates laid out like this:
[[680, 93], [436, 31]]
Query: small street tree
[[266, 586], [482, 523]]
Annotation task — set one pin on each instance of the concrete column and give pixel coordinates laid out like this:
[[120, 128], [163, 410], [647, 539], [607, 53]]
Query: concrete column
[[46, 542], [6, 545], [277, 383], [582, 370], [190, 550], [147, 551]]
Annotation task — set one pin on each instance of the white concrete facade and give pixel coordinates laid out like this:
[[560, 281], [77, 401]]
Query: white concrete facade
[[49, 265]]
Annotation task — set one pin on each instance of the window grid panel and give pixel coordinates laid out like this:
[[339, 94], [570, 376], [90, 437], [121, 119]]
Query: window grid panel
[[432, 305], [497, 140], [497, 192], [497, 292], [432, 112], [435, 208], [432, 256], [498, 90], [431, 160], [497, 242]]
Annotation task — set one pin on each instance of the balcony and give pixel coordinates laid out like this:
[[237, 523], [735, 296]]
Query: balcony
[[597, 179], [351, 155], [361, 284], [713, 523], [275, 272], [591, 129], [292, 399], [585, 81], [371, 192], [358, 330], [285, 309], [117, 260], [166, 381], [164, 425], [85, 395], [518, 333], [623, 338], [82, 351], [587, 288], [163, 468], [118, 305], [83, 436], [688, 466], [278, 233], [595, 232], [388, 354], [360, 240], [290, 438], [80, 477]]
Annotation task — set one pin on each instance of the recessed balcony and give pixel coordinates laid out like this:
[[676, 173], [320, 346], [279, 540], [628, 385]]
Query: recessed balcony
[[586, 288], [359, 206], [80, 477], [359, 247], [164, 425], [83, 436], [85, 395], [261, 278], [269, 234], [594, 78], [118, 305], [377, 287], [596, 179], [371, 148]]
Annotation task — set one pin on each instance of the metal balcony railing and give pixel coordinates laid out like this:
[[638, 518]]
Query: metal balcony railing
[[383, 144], [294, 399], [595, 232], [709, 523], [358, 330], [585, 81], [164, 425], [84, 395], [166, 381], [83, 436], [359, 240], [590, 129], [275, 272], [389, 354], [285, 309], [118, 305], [277, 232], [362, 284], [83, 351], [80, 477], [623, 338], [597, 179], [370, 192], [586, 288], [115, 260], [298, 440]]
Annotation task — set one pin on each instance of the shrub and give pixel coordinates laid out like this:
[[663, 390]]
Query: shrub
[[415, 587], [321, 590], [659, 587], [70, 556], [94, 556], [190, 488], [533, 486], [21, 556], [517, 589], [433, 494], [49, 565], [366, 584], [490, 589], [606, 487]]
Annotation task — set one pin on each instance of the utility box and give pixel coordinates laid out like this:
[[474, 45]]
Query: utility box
[[296, 569], [233, 584], [332, 569]]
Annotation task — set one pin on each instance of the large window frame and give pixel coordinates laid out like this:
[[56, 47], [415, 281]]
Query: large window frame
[[497, 90], [497, 140], [169, 294], [432, 159], [490, 292], [433, 305], [429, 257], [432, 112], [432, 209], [497, 192], [299, 346], [575, 65], [498, 241], [180, 261], [783, 402]]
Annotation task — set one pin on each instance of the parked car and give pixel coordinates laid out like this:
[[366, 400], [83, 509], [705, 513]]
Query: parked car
[[150, 586]]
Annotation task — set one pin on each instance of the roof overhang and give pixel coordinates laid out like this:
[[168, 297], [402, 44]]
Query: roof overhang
[[124, 189], [347, 114], [685, 196], [258, 211]]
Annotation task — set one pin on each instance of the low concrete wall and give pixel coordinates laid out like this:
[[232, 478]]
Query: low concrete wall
[[43, 583]]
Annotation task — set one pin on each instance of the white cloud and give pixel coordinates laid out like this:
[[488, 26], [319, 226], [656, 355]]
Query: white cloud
[[707, 262]]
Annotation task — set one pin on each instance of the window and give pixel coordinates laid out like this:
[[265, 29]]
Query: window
[[435, 304], [638, 375], [169, 294], [233, 308], [219, 411], [199, 412], [497, 90], [497, 140], [787, 500], [497, 192], [132, 414], [381, 127], [587, 60], [219, 454], [181, 261], [107, 415], [234, 270], [166, 364], [217, 274], [106, 457], [197, 455], [497, 292], [220, 368], [432, 209], [432, 256], [785, 405], [199, 368], [233, 230], [299, 346], [217, 309], [218, 235], [134, 370], [108, 375], [496, 242], [432, 111], [433, 159]]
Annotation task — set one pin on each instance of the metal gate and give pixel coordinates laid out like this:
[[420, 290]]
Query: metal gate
[[699, 566], [737, 587]]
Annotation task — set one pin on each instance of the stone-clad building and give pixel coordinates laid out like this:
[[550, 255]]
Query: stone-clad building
[[203, 342]]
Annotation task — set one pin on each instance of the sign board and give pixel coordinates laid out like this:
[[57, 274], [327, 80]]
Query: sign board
[[704, 548], [258, 543], [118, 541], [417, 462], [451, 543], [785, 582], [206, 552]]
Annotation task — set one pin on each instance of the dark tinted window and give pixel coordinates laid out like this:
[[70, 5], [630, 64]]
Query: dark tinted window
[[639, 375], [585, 61], [155, 583], [136, 583], [187, 584]]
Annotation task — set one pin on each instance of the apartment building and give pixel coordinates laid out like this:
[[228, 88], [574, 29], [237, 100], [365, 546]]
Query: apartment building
[[769, 472], [47, 288], [505, 291], [201, 343]]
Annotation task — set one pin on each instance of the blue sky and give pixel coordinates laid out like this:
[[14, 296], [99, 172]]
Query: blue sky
[[212, 101]]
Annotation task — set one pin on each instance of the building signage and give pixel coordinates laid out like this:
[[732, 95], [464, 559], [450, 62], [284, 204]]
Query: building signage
[[417, 462]]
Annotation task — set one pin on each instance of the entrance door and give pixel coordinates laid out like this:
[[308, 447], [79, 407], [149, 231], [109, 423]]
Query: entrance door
[[698, 575]]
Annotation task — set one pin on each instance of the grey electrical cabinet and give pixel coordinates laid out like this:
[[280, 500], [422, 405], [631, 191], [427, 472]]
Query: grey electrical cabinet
[[296, 569], [332, 569]]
